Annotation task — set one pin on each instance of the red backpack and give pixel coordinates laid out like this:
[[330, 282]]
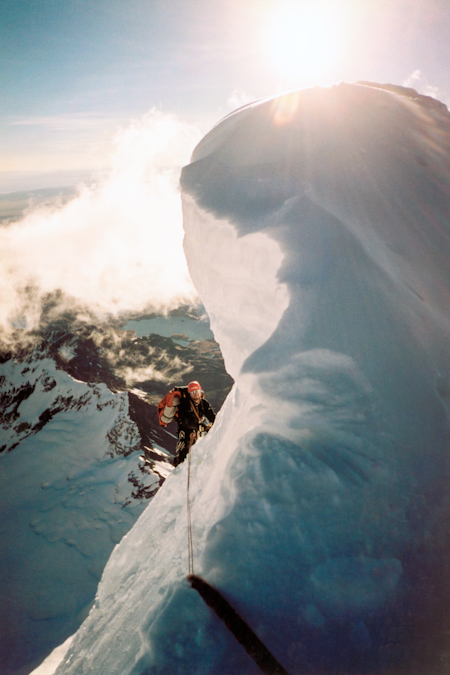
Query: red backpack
[[167, 408]]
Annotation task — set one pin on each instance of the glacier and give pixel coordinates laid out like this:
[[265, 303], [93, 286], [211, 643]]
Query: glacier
[[317, 233]]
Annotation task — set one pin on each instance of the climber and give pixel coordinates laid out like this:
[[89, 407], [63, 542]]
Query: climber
[[191, 411]]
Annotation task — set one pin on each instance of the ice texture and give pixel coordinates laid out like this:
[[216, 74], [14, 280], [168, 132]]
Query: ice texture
[[317, 234]]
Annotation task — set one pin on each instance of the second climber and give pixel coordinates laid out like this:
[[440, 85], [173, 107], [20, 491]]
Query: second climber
[[192, 413]]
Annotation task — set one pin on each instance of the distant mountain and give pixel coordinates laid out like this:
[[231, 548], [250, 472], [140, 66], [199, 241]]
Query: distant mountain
[[77, 413]]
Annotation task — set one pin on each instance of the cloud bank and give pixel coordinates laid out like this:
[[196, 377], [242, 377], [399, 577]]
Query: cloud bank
[[116, 247]]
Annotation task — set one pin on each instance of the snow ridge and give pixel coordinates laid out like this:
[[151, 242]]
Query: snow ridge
[[317, 235]]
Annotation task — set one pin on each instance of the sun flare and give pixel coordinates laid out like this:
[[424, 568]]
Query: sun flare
[[304, 38]]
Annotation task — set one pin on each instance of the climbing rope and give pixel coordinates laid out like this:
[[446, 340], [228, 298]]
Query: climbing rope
[[191, 441], [189, 519]]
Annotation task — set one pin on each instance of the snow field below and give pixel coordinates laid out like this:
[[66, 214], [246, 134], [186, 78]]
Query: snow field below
[[61, 502]]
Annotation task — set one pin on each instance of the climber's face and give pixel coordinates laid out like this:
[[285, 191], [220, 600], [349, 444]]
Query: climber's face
[[196, 395]]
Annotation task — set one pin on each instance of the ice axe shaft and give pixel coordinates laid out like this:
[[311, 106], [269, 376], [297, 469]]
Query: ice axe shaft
[[241, 631]]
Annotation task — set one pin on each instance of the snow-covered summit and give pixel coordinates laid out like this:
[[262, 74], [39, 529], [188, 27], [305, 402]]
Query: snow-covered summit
[[318, 237]]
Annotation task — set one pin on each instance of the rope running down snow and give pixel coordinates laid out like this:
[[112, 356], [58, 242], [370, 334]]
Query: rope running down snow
[[189, 520], [191, 442]]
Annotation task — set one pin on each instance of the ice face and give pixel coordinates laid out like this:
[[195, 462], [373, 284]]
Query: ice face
[[237, 280], [331, 175], [351, 185], [317, 234]]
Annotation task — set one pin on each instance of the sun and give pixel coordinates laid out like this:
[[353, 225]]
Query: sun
[[304, 37]]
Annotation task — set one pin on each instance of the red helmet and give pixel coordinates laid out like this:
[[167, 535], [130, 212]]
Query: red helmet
[[194, 386]]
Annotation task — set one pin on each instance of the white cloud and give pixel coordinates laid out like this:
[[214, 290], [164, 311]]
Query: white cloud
[[114, 248], [417, 81]]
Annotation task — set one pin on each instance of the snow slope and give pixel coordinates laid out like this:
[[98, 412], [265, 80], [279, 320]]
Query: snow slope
[[65, 501], [318, 237], [72, 477]]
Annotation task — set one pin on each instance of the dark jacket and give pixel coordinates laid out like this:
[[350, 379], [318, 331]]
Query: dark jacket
[[188, 415]]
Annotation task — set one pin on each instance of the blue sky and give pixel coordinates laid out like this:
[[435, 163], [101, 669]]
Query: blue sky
[[73, 71]]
